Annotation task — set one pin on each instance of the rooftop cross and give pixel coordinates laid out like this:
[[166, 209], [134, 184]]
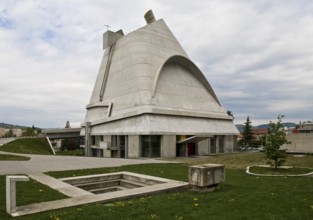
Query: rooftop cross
[[106, 25]]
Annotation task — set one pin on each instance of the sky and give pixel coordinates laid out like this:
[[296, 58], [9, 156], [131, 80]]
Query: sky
[[256, 54]]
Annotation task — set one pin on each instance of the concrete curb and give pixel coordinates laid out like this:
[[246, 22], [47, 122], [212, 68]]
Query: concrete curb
[[80, 198], [270, 175]]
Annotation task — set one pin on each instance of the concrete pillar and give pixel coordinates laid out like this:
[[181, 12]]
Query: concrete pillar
[[168, 146], [106, 145], [213, 141], [11, 192], [126, 146], [88, 139], [221, 147], [229, 143], [133, 146], [217, 144], [203, 147]]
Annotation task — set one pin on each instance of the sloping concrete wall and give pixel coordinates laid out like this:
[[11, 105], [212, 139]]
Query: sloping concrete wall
[[147, 85]]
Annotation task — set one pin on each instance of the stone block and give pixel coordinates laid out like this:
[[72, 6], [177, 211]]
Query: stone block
[[206, 175]]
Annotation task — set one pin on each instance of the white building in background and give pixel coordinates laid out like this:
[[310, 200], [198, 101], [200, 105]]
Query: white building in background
[[151, 100], [3, 131], [301, 138]]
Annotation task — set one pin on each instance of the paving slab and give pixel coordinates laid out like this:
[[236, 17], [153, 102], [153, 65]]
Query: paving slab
[[6, 140], [59, 185], [46, 163]]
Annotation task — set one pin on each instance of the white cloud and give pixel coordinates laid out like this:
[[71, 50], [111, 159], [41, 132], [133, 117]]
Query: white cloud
[[257, 55]]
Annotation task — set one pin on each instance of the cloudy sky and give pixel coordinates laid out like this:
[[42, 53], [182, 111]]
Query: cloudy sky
[[256, 54]]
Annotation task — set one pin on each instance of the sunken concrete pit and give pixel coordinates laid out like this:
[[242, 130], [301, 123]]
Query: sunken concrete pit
[[105, 188], [111, 182]]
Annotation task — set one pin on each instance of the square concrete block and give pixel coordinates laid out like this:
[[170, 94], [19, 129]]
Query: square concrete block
[[205, 175]]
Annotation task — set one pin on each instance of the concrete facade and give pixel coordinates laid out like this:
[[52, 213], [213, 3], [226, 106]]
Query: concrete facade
[[148, 95], [300, 143], [3, 131]]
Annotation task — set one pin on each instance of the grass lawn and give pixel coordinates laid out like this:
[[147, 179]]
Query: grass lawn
[[240, 197], [12, 157], [28, 193], [244, 159], [28, 146]]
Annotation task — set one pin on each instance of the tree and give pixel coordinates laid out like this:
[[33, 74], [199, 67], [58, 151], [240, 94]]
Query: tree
[[275, 138], [29, 132], [247, 134]]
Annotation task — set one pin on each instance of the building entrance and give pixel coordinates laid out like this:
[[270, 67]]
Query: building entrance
[[191, 149], [150, 146]]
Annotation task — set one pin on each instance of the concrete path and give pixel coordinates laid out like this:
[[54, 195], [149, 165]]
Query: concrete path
[[6, 140], [45, 163]]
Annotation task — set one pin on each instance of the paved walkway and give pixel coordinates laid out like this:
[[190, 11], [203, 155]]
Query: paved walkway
[[45, 163], [6, 140]]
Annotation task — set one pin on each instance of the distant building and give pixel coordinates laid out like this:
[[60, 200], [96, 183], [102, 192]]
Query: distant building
[[259, 132], [151, 100], [17, 132], [301, 138], [3, 131], [305, 127], [14, 132]]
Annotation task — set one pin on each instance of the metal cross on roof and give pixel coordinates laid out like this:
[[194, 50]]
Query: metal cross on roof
[[106, 25]]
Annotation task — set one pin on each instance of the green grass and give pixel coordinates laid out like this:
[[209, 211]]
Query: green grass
[[12, 157], [242, 160], [28, 193], [28, 146], [172, 171], [280, 171], [240, 197]]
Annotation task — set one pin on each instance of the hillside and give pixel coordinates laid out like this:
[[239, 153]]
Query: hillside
[[9, 126], [240, 127]]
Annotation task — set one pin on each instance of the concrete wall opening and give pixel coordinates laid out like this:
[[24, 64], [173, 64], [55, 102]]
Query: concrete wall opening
[[119, 146], [150, 146]]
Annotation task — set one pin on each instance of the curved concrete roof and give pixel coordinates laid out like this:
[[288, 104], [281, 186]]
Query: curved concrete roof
[[191, 67]]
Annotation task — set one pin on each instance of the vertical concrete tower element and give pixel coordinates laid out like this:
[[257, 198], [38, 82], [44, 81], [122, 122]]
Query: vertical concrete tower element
[[151, 100]]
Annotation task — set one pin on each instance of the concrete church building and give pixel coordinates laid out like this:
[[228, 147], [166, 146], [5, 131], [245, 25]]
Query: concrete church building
[[151, 100]]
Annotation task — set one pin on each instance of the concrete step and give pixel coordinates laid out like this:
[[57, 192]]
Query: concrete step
[[56, 184], [111, 183], [140, 179], [107, 189], [92, 179]]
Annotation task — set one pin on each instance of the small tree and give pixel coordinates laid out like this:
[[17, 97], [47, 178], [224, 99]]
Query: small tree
[[275, 138], [29, 132], [247, 134]]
